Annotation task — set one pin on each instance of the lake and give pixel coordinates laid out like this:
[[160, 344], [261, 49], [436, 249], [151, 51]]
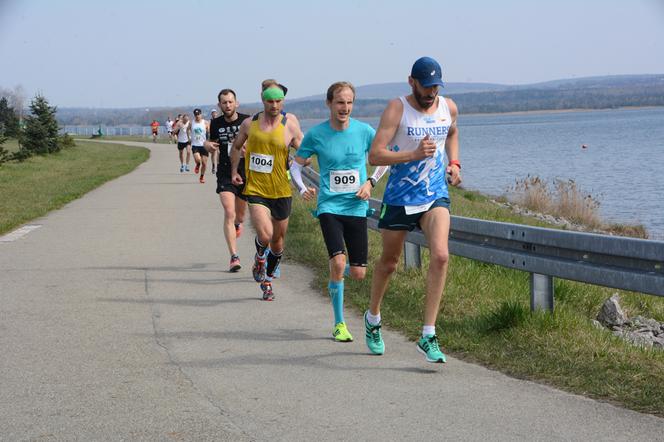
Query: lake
[[621, 165]]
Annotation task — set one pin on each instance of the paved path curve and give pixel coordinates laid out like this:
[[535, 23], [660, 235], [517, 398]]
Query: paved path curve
[[118, 321]]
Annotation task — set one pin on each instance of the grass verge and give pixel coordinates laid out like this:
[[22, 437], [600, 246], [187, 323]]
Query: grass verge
[[43, 183], [485, 316]]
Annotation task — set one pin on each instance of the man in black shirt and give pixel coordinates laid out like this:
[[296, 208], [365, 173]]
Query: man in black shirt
[[222, 133]]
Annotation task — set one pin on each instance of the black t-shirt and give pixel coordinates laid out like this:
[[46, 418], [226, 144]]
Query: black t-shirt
[[224, 133]]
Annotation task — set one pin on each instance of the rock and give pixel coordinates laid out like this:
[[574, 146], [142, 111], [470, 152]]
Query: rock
[[611, 313], [639, 339], [647, 323], [597, 324], [658, 342]]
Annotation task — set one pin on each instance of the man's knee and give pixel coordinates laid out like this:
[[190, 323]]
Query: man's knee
[[389, 263], [338, 263], [357, 272], [229, 216], [439, 258]]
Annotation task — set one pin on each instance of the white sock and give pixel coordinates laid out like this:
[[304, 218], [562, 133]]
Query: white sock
[[373, 320], [428, 330]]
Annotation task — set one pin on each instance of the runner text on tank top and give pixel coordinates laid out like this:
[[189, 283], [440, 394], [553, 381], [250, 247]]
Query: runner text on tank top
[[422, 181]]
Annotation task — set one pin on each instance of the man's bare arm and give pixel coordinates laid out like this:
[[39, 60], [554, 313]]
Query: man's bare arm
[[452, 145]]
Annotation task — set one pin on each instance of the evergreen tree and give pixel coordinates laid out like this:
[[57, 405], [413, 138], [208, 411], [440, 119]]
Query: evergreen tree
[[8, 119], [41, 128], [4, 154]]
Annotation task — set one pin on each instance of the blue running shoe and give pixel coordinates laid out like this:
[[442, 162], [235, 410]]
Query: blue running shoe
[[428, 346], [373, 337]]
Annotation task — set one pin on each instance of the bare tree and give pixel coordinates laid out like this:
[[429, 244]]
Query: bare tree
[[15, 98]]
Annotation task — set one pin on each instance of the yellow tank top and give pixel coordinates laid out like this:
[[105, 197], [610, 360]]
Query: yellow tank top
[[265, 162]]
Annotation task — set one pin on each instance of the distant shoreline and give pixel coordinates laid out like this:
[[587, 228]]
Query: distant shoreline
[[560, 111], [531, 112]]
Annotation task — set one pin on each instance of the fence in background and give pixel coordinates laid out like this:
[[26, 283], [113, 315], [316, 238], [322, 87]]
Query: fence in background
[[140, 131]]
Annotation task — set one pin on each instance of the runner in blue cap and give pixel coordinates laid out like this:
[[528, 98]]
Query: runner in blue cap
[[415, 134]]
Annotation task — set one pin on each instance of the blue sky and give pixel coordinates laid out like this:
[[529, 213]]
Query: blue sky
[[163, 53]]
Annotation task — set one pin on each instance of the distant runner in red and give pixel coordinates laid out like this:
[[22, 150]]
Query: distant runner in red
[[155, 130]]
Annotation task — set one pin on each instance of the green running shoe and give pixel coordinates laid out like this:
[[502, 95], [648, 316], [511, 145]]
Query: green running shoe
[[341, 333], [428, 346], [373, 337]]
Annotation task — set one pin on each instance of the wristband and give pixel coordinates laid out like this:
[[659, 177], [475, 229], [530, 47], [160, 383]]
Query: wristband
[[455, 163], [372, 180]]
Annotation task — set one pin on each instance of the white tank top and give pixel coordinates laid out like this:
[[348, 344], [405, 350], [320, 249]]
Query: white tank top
[[422, 181], [182, 134], [198, 133]]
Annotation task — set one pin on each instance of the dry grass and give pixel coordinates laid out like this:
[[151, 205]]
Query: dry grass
[[565, 199], [572, 203], [533, 193]]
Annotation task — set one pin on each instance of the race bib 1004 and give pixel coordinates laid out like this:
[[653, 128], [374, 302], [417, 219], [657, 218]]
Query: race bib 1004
[[261, 163], [344, 181]]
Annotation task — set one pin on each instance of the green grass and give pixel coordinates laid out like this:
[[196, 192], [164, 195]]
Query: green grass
[[485, 316], [43, 183]]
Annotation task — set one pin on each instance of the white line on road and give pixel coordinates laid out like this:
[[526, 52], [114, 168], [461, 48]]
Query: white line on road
[[18, 233]]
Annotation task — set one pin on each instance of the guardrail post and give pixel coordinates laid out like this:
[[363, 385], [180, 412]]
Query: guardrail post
[[411, 255], [541, 292]]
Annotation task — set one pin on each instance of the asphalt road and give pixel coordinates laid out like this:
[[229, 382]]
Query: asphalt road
[[119, 321]]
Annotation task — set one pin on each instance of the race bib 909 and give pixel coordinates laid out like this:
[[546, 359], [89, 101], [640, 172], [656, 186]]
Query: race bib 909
[[344, 181]]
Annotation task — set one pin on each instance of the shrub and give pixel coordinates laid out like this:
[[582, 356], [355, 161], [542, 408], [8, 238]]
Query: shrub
[[65, 141], [41, 129]]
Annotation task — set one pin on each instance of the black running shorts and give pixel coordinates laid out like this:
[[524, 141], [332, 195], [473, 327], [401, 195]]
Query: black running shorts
[[182, 146], [351, 230], [280, 208], [224, 184], [199, 150]]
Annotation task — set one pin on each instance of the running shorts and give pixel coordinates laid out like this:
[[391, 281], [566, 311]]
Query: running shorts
[[396, 218], [280, 208], [351, 230]]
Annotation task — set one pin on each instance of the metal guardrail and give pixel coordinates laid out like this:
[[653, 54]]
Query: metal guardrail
[[609, 261]]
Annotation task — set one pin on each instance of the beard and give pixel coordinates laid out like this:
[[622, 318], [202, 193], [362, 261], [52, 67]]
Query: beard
[[424, 101]]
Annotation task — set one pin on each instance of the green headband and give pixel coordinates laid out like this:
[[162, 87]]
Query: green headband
[[273, 93]]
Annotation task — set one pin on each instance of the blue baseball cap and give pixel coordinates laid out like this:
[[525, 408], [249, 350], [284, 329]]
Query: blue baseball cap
[[427, 72]]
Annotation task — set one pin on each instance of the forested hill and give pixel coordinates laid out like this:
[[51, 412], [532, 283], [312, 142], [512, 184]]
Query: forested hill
[[582, 93]]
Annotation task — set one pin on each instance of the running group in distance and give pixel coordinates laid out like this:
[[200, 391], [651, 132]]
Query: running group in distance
[[416, 142]]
